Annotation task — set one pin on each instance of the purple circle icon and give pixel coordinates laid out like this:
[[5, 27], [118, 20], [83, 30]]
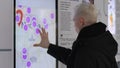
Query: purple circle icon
[[28, 10], [46, 26], [34, 19], [25, 27], [17, 18], [20, 6], [37, 31], [52, 16], [24, 50], [24, 57], [28, 64], [44, 21], [27, 19], [34, 24]]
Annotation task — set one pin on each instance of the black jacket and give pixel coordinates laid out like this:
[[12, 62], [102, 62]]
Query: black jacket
[[94, 48]]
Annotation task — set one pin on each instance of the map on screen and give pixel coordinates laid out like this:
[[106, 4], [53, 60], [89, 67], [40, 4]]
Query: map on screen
[[31, 16]]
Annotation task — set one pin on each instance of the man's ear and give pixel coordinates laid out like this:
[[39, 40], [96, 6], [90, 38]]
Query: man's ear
[[82, 21]]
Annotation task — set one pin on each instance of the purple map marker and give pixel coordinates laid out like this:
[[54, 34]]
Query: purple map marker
[[27, 19], [24, 57], [24, 51], [44, 21], [17, 18], [28, 64], [20, 6], [33, 19], [25, 27], [37, 31], [52, 16], [34, 24], [46, 26], [28, 10]]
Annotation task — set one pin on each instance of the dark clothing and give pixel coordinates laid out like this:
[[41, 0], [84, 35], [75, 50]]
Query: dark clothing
[[94, 47]]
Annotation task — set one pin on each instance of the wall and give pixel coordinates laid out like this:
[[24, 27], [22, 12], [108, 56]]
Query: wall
[[102, 6], [6, 33]]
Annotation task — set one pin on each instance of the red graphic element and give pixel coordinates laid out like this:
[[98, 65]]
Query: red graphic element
[[21, 16]]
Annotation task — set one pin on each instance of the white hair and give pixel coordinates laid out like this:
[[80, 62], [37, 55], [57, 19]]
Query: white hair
[[87, 11]]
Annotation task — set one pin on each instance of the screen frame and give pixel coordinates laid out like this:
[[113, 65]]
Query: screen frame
[[14, 32]]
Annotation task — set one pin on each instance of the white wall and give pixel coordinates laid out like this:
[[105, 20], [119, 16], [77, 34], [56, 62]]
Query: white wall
[[6, 33]]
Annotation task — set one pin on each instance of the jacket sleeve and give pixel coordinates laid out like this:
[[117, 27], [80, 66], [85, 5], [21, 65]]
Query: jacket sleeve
[[60, 53]]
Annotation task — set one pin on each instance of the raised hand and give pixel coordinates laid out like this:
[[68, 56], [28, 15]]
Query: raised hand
[[44, 39]]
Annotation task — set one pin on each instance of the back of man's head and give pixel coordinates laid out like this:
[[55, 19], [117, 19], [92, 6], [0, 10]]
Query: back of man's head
[[87, 11]]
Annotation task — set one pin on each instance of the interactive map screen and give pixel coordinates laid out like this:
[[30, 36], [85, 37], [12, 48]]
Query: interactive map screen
[[31, 16]]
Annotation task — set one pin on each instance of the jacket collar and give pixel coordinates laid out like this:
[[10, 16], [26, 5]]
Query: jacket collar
[[92, 31]]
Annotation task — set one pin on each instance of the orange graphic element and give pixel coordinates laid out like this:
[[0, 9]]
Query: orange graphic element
[[21, 16], [111, 19]]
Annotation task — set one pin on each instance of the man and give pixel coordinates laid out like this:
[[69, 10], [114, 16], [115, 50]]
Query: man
[[94, 47]]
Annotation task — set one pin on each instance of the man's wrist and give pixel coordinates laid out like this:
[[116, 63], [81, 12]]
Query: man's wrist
[[49, 45]]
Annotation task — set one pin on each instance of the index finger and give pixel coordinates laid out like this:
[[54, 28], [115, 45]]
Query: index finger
[[40, 33], [43, 30]]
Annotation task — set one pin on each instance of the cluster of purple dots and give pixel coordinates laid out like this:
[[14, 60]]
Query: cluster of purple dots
[[45, 20], [27, 19], [33, 21], [24, 56]]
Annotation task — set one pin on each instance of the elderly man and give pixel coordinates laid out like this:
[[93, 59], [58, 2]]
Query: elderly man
[[94, 47]]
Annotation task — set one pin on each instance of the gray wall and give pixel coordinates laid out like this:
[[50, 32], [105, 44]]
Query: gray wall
[[6, 33]]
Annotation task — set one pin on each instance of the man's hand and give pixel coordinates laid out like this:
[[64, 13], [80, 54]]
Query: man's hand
[[44, 39]]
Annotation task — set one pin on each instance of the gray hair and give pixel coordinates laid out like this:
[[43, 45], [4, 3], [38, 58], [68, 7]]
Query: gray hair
[[87, 11]]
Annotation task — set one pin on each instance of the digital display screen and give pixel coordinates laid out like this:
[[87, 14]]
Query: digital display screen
[[31, 16], [112, 16]]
